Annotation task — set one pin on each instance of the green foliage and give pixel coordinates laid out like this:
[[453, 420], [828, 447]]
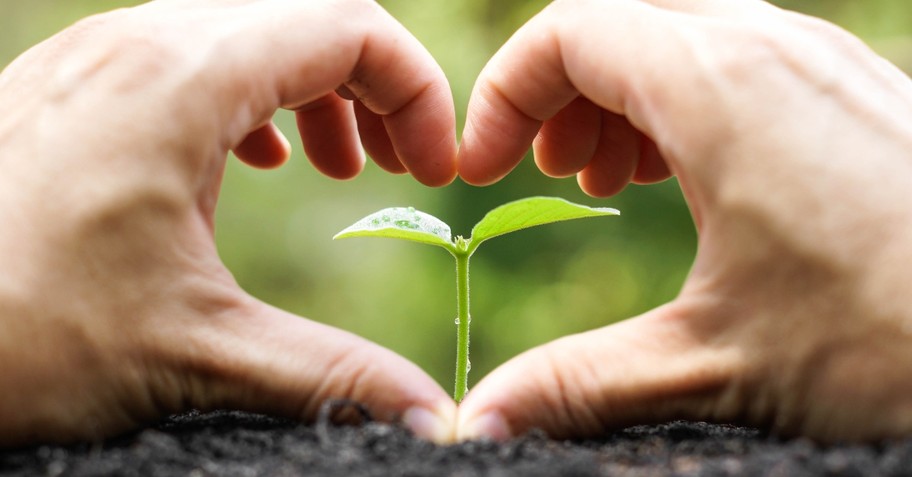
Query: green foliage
[[403, 223], [525, 213], [409, 224]]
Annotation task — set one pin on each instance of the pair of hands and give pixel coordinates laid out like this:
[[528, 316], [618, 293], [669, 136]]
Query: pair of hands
[[789, 137]]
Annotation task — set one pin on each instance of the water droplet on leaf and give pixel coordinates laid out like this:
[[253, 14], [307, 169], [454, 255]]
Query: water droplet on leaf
[[406, 224]]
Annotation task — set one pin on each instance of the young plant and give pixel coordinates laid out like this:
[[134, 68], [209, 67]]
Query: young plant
[[410, 224]]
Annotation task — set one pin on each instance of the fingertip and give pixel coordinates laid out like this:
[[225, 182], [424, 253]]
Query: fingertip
[[490, 425], [479, 165], [435, 173], [436, 167], [440, 179], [330, 138], [376, 140], [598, 186], [264, 148], [435, 423], [342, 170], [652, 167], [496, 137], [474, 173], [347, 170], [615, 160], [567, 141], [422, 135]]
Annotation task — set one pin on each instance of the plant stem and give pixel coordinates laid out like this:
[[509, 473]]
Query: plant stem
[[463, 320]]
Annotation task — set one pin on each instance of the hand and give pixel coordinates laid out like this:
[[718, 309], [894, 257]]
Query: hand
[[791, 142], [114, 306]]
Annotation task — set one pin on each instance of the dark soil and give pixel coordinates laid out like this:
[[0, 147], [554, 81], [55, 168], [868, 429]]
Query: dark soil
[[228, 443]]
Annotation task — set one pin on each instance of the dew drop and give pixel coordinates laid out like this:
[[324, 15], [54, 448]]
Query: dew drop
[[457, 321], [411, 210], [468, 365], [406, 224]]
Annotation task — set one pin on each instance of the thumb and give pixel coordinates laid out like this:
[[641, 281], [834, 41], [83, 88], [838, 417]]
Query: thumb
[[648, 369], [261, 359]]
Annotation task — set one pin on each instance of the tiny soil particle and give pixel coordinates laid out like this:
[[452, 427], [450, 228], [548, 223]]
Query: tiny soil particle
[[231, 443]]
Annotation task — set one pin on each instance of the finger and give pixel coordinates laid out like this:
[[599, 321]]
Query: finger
[[262, 66], [423, 135], [504, 118], [529, 81], [376, 140], [615, 159], [652, 167], [330, 136], [266, 147], [610, 153], [396, 78], [645, 370], [262, 359], [566, 142], [551, 60]]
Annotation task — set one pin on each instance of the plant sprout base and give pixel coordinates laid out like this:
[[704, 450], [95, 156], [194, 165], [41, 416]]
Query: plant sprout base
[[409, 224]]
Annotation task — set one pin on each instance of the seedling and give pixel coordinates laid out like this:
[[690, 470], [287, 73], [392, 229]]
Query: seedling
[[410, 224]]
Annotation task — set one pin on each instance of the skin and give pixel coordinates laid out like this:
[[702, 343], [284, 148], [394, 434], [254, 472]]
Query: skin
[[114, 306], [789, 137], [791, 142]]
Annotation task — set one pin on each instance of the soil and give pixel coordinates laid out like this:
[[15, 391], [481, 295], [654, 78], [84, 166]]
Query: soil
[[231, 443]]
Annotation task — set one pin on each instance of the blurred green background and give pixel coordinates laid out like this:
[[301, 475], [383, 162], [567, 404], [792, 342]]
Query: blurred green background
[[274, 227]]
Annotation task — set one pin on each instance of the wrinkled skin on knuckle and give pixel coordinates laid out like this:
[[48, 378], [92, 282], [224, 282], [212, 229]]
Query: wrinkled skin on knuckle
[[128, 55], [123, 51]]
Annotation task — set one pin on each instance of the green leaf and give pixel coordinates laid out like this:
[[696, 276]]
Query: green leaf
[[402, 223], [530, 212]]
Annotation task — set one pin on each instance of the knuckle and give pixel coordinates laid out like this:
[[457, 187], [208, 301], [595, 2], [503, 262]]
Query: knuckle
[[122, 49], [824, 30], [747, 51], [805, 47], [357, 8]]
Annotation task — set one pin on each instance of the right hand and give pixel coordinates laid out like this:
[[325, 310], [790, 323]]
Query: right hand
[[791, 141], [115, 308]]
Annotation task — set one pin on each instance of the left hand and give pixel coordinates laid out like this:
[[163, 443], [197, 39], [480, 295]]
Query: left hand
[[790, 139]]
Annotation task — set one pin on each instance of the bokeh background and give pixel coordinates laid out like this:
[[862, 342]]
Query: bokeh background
[[274, 228]]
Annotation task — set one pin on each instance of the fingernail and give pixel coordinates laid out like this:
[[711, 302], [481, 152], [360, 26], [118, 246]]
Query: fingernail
[[491, 425], [428, 425]]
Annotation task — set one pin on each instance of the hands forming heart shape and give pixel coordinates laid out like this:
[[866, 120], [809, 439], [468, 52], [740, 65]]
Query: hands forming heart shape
[[789, 137]]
